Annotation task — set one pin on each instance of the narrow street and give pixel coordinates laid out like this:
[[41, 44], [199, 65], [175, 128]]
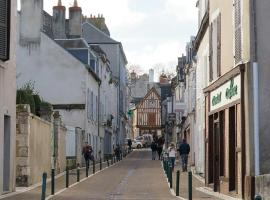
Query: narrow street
[[136, 177]]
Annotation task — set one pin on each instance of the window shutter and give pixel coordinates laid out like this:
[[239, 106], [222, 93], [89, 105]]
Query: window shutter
[[238, 37], [210, 53], [4, 29], [219, 45]]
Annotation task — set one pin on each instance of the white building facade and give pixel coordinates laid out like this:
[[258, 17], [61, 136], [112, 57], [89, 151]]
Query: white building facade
[[7, 95]]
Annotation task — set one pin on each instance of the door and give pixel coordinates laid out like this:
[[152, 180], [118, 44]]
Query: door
[[232, 149], [216, 156], [6, 167]]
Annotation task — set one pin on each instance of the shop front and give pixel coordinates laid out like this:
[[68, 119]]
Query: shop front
[[224, 134]]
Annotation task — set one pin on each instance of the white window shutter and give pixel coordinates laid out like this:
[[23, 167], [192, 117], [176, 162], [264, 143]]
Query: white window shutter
[[238, 32]]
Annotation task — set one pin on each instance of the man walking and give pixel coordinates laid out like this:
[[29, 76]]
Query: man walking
[[184, 150], [87, 151], [154, 150]]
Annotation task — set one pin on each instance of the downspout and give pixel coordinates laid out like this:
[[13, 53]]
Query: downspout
[[98, 117], [256, 96]]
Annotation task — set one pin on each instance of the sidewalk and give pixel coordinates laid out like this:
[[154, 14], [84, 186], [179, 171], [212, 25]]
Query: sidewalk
[[183, 186], [60, 184]]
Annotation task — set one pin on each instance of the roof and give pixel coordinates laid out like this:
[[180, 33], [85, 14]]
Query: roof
[[72, 43], [95, 36]]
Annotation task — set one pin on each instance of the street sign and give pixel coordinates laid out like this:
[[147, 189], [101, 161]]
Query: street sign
[[171, 116]]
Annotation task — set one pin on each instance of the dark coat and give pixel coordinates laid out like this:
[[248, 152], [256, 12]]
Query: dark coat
[[184, 149], [154, 146]]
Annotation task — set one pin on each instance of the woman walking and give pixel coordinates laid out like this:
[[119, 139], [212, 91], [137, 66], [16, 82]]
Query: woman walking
[[172, 155]]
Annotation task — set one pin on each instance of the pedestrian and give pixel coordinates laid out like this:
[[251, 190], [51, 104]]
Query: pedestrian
[[184, 150], [117, 152], [129, 144], [160, 147], [87, 152], [172, 155], [154, 150]]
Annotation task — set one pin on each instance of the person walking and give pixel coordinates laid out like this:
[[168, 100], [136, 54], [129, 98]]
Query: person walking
[[129, 144], [87, 152], [159, 147], [172, 155], [184, 150], [154, 150], [117, 152]]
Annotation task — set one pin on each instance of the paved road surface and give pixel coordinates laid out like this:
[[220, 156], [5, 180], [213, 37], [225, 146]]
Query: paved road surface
[[135, 178]]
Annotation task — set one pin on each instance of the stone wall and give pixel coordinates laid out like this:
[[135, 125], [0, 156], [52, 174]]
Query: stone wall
[[262, 185], [33, 147]]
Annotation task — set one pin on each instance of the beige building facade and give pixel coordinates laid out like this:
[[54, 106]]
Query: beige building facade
[[236, 93], [7, 95]]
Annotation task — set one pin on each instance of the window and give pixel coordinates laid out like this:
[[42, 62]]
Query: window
[[4, 29], [215, 49], [88, 104], [237, 36]]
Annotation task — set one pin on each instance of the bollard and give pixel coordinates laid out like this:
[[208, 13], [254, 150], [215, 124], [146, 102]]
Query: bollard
[[108, 163], [177, 182], [100, 164], [170, 177], [257, 197], [67, 177], [190, 185], [53, 181], [44, 179], [78, 174], [87, 170], [112, 161], [94, 166]]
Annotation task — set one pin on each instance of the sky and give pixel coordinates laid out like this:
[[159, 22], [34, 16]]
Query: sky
[[154, 33]]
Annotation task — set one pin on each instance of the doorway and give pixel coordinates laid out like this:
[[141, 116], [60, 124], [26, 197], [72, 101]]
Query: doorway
[[232, 149], [216, 146], [6, 166]]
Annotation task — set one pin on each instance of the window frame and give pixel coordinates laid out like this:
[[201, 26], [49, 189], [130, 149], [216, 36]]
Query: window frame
[[7, 26]]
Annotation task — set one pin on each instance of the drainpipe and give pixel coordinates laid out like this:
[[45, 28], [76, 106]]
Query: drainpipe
[[256, 119], [256, 96]]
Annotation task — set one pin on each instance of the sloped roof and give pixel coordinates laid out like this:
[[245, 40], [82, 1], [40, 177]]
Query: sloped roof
[[93, 35]]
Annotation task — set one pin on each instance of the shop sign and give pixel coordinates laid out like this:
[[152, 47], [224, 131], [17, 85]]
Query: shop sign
[[226, 94]]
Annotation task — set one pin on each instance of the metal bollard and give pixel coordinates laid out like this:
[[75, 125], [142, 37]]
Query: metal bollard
[[53, 181], [170, 177], [86, 170], [78, 174], [94, 166], [258, 197], [100, 164], [177, 182], [190, 185], [44, 180], [67, 177]]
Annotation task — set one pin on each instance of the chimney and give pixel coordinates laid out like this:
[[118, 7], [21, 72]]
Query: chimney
[[151, 75], [31, 21], [59, 21], [75, 21], [99, 22], [163, 79], [133, 75]]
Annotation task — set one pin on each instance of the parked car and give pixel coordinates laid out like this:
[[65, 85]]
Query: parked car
[[136, 144], [145, 139]]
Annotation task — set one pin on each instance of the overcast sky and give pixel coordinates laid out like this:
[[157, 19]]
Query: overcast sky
[[153, 32]]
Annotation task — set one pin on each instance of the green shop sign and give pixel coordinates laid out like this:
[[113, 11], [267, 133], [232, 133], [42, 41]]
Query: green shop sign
[[226, 93], [216, 99], [231, 91]]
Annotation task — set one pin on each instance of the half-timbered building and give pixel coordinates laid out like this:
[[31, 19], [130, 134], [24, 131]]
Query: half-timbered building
[[149, 113]]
